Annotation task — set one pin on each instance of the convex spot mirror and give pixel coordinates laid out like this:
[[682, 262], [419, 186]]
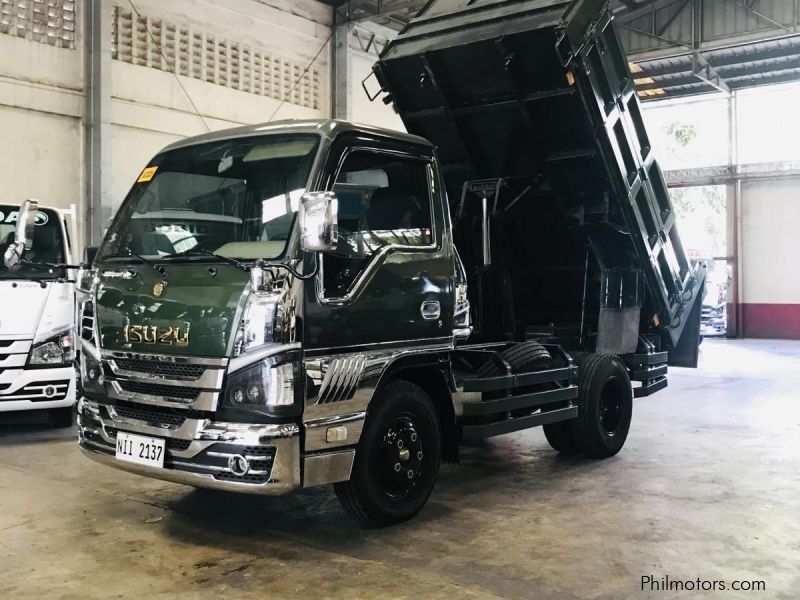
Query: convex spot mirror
[[319, 223], [23, 236]]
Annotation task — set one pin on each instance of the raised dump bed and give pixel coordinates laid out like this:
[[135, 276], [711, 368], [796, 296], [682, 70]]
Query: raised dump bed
[[558, 200]]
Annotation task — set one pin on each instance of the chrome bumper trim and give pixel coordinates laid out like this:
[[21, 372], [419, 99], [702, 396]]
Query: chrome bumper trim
[[284, 438]]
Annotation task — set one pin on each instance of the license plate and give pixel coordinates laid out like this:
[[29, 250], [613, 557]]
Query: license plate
[[140, 449]]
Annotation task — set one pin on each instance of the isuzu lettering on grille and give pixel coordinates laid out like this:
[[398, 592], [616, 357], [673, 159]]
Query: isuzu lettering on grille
[[167, 335]]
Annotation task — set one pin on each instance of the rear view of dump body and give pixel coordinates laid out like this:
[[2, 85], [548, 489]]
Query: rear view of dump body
[[561, 213]]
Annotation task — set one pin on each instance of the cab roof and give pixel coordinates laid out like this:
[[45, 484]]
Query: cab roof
[[328, 128]]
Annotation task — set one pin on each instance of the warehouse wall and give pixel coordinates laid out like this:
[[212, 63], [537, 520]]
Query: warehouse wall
[[41, 104], [363, 111], [262, 48], [237, 59], [769, 251]]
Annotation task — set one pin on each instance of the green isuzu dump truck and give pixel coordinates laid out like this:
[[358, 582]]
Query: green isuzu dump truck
[[302, 303]]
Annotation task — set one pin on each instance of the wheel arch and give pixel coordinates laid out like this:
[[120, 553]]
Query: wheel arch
[[432, 373]]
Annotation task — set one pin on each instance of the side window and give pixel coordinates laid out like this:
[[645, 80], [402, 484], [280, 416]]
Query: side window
[[383, 200]]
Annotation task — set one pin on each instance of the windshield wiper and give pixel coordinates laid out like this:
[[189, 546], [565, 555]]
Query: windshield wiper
[[199, 252], [130, 253]]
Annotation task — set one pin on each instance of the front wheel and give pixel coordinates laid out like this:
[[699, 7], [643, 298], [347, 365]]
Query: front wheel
[[397, 458]]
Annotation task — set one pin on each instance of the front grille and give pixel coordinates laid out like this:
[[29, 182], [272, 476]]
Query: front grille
[[6, 343], [151, 414], [160, 390], [167, 369], [4, 386]]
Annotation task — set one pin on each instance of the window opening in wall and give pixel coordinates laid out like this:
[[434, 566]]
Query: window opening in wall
[[701, 214], [50, 22], [204, 56]]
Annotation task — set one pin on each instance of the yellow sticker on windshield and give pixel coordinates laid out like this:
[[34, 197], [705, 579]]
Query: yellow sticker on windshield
[[147, 174]]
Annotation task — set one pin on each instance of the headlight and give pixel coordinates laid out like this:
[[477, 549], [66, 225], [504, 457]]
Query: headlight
[[262, 389], [259, 324], [57, 351]]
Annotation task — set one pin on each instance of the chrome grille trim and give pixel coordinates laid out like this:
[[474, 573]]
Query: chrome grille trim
[[205, 401], [191, 360], [210, 378]]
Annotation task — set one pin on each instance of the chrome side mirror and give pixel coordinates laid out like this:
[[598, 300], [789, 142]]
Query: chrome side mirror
[[23, 236], [319, 223]]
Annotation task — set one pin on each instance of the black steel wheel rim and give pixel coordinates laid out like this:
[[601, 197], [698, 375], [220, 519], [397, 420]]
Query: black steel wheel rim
[[612, 406], [400, 457]]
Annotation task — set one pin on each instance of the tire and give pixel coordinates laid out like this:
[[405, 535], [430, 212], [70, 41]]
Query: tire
[[60, 418], [605, 405], [561, 437], [523, 357], [401, 418]]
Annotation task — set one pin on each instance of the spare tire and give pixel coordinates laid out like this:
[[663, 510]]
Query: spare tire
[[524, 357]]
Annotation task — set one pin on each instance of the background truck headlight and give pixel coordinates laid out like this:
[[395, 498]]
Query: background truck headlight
[[57, 351], [262, 389]]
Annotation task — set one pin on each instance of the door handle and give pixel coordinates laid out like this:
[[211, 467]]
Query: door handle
[[430, 310]]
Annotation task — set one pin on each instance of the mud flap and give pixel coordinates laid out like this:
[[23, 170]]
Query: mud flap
[[685, 353]]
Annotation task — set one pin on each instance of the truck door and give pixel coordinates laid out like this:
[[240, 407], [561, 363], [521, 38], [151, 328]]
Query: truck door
[[390, 278]]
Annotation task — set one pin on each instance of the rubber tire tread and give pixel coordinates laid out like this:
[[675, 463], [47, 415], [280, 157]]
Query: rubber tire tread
[[352, 494], [585, 426], [518, 356]]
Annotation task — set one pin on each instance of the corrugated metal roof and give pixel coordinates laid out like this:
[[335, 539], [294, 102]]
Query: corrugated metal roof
[[678, 47], [746, 65]]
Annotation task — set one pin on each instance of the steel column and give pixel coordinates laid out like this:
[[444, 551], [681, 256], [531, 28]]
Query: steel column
[[97, 118], [341, 84]]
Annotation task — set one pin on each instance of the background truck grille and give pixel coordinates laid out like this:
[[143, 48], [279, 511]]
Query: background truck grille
[[156, 389], [151, 367], [36, 391]]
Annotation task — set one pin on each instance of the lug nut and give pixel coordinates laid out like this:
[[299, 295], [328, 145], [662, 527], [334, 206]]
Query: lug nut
[[419, 455], [410, 474], [397, 467], [413, 437], [399, 443]]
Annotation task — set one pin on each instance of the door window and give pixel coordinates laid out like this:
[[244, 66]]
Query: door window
[[384, 200]]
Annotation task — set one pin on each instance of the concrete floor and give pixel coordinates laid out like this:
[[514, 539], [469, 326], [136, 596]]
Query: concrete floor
[[707, 486]]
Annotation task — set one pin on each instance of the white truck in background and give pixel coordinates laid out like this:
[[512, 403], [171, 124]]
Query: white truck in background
[[37, 315]]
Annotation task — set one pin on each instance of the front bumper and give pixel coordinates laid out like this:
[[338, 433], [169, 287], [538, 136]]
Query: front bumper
[[273, 451], [36, 389]]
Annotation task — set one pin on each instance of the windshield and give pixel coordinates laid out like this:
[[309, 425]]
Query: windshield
[[236, 198], [48, 243]]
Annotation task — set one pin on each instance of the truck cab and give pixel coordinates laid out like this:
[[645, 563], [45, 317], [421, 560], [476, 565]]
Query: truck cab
[[223, 351], [37, 311]]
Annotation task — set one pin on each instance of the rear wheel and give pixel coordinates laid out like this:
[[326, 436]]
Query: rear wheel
[[59, 418], [397, 458], [605, 405]]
